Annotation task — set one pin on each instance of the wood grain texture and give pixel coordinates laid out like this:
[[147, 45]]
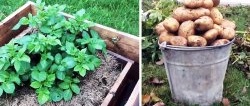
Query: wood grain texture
[[6, 32], [120, 79], [134, 97]]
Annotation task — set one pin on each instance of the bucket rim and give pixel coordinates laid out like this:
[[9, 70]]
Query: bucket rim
[[193, 48]]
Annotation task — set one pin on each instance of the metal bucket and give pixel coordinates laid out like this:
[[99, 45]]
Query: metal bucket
[[196, 74]]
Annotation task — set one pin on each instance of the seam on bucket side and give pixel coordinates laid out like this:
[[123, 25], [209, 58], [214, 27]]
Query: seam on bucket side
[[190, 65]]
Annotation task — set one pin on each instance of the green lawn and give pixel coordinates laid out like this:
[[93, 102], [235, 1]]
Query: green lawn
[[119, 14]]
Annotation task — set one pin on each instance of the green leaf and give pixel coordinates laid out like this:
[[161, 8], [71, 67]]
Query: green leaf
[[15, 78], [82, 72], [91, 49], [58, 42], [77, 68], [91, 66], [67, 95], [17, 65], [97, 46], [60, 75], [69, 61], [1, 91], [56, 96], [80, 12], [4, 74], [96, 62], [64, 85], [85, 35], [94, 34], [39, 76], [58, 25], [45, 29], [2, 78], [24, 67], [35, 84], [75, 88], [43, 65], [24, 21], [51, 77], [58, 58], [25, 58], [48, 84], [85, 66], [76, 80], [8, 87], [42, 98], [61, 68], [17, 26]]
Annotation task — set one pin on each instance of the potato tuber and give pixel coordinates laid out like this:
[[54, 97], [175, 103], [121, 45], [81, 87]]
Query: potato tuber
[[193, 3], [204, 23], [220, 42], [165, 37], [216, 2], [159, 28], [208, 4], [216, 16], [196, 41], [226, 23], [211, 35], [227, 33], [182, 14], [178, 41], [218, 27], [171, 24], [186, 29]]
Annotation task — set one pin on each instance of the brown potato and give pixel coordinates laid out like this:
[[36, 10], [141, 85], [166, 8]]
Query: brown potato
[[165, 37], [216, 2], [196, 41], [159, 28], [178, 41], [186, 29], [193, 3], [204, 23], [218, 27], [182, 14], [211, 35], [226, 23], [171, 24], [208, 4], [220, 42], [227, 33], [216, 16]]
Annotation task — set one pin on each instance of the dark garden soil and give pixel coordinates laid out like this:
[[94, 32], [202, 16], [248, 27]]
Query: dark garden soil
[[94, 88]]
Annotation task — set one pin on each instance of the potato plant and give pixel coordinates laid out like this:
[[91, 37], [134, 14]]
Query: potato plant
[[53, 57]]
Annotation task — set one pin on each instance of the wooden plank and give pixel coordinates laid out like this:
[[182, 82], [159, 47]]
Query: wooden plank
[[11, 20], [134, 97], [6, 32], [118, 82], [25, 32], [125, 44]]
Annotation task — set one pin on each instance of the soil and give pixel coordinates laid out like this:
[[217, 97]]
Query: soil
[[94, 88]]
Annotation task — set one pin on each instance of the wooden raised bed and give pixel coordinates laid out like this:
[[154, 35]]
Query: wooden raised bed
[[125, 48]]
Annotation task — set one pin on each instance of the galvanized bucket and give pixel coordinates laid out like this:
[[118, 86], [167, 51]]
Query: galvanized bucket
[[196, 74]]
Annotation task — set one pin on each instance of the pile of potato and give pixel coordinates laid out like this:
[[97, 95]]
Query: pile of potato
[[197, 24]]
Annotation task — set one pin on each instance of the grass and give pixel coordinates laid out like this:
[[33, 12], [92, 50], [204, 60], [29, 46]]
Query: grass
[[234, 83], [119, 14]]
